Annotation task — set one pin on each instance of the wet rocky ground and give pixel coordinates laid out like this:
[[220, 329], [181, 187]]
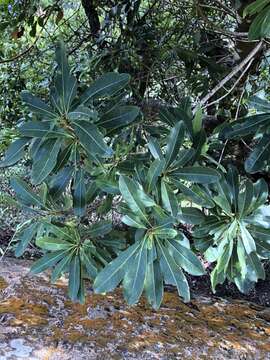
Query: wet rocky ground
[[38, 321]]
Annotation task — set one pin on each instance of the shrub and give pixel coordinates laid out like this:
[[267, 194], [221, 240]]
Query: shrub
[[91, 145]]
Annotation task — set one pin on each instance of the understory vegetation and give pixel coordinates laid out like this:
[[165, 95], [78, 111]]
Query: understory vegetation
[[139, 137]]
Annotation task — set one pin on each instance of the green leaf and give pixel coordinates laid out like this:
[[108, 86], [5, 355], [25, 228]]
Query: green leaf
[[260, 26], [155, 170], [41, 130], [65, 83], [38, 106], [79, 193], [45, 160], [169, 200], [61, 267], [47, 261], [259, 156], [100, 228], [114, 272], [247, 239], [155, 149], [52, 244], [255, 7], [197, 121], [245, 198], [246, 126], [133, 282], [83, 113], [89, 265], [24, 238], [172, 273], [255, 263], [91, 139], [107, 85], [191, 215], [197, 174], [174, 142], [133, 221], [24, 193], [186, 259], [74, 277], [233, 181], [129, 191], [60, 181], [119, 117], [15, 152], [164, 233], [153, 283]]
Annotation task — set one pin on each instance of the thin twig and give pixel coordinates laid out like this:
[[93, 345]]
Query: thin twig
[[232, 88], [237, 68]]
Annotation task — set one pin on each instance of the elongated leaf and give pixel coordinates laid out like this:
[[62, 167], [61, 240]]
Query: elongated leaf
[[74, 277], [83, 113], [89, 265], [247, 239], [260, 104], [155, 149], [61, 267], [52, 244], [256, 265], [169, 200], [79, 193], [25, 238], [119, 117], [41, 130], [60, 181], [133, 221], [24, 193], [174, 142], [107, 85], [154, 172], [47, 261], [100, 228], [91, 139], [65, 83], [154, 284], [172, 273], [15, 152], [114, 272], [197, 174], [246, 126], [186, 259], [260, 27], [38, 106], [165, 233], [191, 215], [245, 198], [45, 160], [133, 282], [129, 191], [259, 156]]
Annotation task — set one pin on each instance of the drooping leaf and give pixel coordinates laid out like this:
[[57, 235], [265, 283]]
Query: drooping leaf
[[91, 139], [133, 282], [114, 272], [24, 193], [79, 193], [15, 152], [38, 106], [107, 85], [45, 160], [119, 117], [197, 174]]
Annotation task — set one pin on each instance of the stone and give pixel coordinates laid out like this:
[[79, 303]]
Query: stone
[[38, 321]]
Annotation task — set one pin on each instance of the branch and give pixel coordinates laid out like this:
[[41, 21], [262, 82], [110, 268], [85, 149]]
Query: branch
[[233, 87], [227, 78]]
